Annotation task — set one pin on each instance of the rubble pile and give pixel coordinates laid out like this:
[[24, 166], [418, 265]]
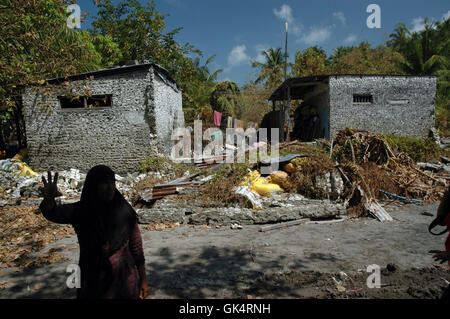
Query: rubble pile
[[274, 209], [14, 186], [352, 171], [354, 150]]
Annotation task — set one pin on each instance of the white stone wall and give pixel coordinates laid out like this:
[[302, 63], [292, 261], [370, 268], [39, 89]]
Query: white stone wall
[[168, 110]]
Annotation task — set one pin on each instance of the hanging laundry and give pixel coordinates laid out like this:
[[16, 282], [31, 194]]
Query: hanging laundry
[[229, 122], [240, 124], [217, 118]]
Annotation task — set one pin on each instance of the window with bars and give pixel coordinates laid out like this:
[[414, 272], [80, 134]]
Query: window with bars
[[86, 101], [362, 98]]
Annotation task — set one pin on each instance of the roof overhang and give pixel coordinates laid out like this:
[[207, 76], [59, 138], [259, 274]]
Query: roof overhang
[[298, 87], [112, 71]]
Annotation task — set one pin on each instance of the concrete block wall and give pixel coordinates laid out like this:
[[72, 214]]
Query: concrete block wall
[[402, 105], [168, 110], [120, 136]]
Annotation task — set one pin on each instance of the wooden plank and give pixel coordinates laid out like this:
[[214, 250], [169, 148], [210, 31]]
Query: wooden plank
[[332, 221], [281, 225], [182, 179]]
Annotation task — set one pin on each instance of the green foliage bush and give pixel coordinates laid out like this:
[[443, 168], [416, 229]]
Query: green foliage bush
[[420, 150]]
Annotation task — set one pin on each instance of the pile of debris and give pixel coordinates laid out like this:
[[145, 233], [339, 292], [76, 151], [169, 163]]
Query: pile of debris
[[355, 170], [354, 150], [15, 187], [373, 170]]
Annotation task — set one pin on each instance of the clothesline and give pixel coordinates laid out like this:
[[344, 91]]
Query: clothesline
[[236, 123]]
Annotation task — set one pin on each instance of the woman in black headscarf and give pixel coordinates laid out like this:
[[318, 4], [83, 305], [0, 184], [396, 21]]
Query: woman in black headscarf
[[111, 255]]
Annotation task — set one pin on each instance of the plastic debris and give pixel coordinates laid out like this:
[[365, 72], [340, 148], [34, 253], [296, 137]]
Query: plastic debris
[[251, 196]]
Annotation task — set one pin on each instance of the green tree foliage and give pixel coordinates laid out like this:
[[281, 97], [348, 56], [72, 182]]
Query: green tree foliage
[[338, 53], [426, 52], [312, 61], [140, 32], [253, 103], [272, 69], [248, 104], [197, 91], [108, 49], [366, 60], [36, 44], [224, 98]]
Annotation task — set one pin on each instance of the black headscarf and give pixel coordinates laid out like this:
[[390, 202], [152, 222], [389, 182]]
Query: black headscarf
[[113, 219], [102, 228]]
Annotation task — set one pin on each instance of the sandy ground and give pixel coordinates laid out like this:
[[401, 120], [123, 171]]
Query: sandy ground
[[293, 262]]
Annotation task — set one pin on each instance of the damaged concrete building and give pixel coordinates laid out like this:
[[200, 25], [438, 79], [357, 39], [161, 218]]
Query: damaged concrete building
[[116, 116], [388, 104]]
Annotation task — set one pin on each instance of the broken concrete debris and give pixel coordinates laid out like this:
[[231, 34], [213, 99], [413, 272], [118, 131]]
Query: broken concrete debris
[[277, 196], [14, 186], [284, 207]]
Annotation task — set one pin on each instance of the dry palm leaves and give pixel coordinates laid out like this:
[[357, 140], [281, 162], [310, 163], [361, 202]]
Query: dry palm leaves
[[23, 233], [394, 172]]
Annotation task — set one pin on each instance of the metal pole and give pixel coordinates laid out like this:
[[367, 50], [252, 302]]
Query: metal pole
[[285, 52], [286, 109]]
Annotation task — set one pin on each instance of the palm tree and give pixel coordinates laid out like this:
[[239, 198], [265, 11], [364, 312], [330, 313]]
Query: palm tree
[[273, 67], [424, 51], [198, 91], [203, 70]]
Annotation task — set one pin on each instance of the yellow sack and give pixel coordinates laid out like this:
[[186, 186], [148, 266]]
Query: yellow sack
[[290, 168], [264, 188], [250, 178], [26, 170], [279, 178]]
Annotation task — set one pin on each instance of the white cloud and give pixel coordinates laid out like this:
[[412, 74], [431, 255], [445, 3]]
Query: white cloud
[[446, 15], [316, 35], [341, 17], [259, 48], [285, 14], [351, 38], [237, 56], [418, 24]]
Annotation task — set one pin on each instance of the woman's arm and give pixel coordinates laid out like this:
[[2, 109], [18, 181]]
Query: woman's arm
[[61, 214], [138, 255]]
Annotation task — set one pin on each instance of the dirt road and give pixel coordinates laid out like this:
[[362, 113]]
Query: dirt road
[[294, 262]]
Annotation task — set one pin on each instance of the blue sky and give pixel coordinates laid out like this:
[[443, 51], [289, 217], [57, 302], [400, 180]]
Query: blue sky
[[238, 30]]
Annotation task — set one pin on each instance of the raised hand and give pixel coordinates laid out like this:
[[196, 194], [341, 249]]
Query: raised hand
[[50, 189], [440, 256]]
